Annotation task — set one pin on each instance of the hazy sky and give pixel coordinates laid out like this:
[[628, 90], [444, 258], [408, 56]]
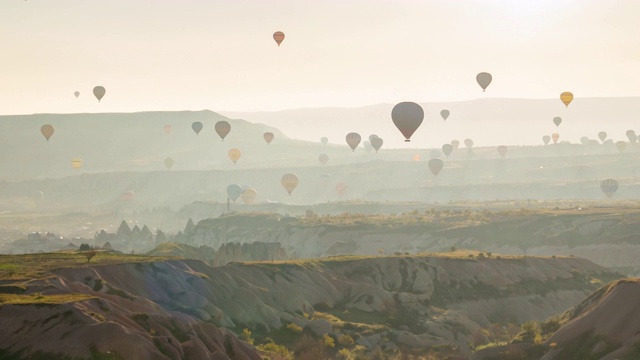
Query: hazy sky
[[220, 54]]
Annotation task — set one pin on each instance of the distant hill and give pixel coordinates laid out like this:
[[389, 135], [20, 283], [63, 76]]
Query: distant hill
[[488, 121]]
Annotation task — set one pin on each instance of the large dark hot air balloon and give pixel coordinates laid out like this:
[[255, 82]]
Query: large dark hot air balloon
[[47, 131], [268, 137], [435, 165], [223, 128], [353, 140], [407, 116], [609, 187], [484, 79], [99, 92]]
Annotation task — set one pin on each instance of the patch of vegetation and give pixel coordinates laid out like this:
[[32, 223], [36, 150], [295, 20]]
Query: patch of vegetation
[[39, 299]]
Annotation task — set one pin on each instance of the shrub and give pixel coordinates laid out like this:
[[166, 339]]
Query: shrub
[[328, 341], [90, 255], [346, 340], [295, 328], [246, 336]]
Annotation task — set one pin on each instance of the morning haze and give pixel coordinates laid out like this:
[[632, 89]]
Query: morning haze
[[353, 179]]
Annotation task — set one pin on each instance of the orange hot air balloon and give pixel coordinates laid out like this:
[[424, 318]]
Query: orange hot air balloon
[[47, 130], [455, 144], [268, 137], [278, 36], [555, 137], [324, 159], [234, 155], [249, 196], [167, 129], [416, 157], [223, 128], [566, 98], [502, 150], [289, 182], [128, 196]]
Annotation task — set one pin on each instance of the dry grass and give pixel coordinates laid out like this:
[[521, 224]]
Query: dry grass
[[37, 298]]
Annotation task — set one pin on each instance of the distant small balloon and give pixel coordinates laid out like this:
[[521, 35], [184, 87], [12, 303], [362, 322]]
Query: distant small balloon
[[557, 120], [444, 114], [47, 131], [249, 196], [234, 191], [76, 163], [546, 139], [323, 158], [435, 165], [128, 196], [234, 155], [223, 128], [585, 140], [278, 36], [416, 157], [168, 162], [167, 129], [631, 135], [197, 127], [468, 143], [268, 137], [555, 137], [372, 136], [289, 182], [566, 98], [76, 93], [602, 135], [376, 143], [455, 144], [502, 150], [609, 187], [484, 79], [447, 149], [353, 140], [99, 92], [324, 140]]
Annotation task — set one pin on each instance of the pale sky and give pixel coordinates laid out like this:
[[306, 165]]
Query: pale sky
[[220, 54]]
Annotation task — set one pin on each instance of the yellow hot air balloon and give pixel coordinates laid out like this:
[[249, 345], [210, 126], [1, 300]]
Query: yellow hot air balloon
[[249, 196], [76, 163], [47, 130], [234, 155], [566, 98], [278, 36], [289, 182]]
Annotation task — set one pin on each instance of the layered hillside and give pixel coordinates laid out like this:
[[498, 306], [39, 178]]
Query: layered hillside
[[172, 307]]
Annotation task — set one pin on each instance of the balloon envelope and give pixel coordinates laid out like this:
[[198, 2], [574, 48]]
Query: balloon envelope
[[566, 98], [128, 196], [76, 163], [47, 130], [468, 143], [324, 140], [447, 149], [234, 191], [502, 150], [376, 143], [197, 127], [77, 93], [234, 155], [249, 196], [602, 135], [435, 165], [609, 187], [167, 129], [621, 145], [555, 137], [444, 114], [557, 120], [353, 140], [546, 139], [289, 182], [99, 92], [324, 159], [484, 79], [367, 146], [455, 144], [168, 162], [278, 36], [223, 128], [407, 116], [268, 137]]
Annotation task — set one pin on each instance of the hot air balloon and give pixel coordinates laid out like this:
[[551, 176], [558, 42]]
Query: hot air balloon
[[455, 144], [324, 140], [502, 150], [435, 165], [234, 155], [621, 145], [278, 36], [555, 137], [128, 196], [76, 93], [167, 129], [353, 140], [197, 127], [289, 182], [99, 92], [324, 159], [341, 188], [602, 135], [585, 140], [546, 139], [234, 191], [249, 196], [407, 116], [444, 114], [484, 79], [376, 143], [566, 98], [468, 143], [557, 120], [609, 187], [631, 135], [447, 149], [367, 147], [268, 137], [372, 136], [168, 162], [416, 157], [222, 128], [47, 130], [76, 163]]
